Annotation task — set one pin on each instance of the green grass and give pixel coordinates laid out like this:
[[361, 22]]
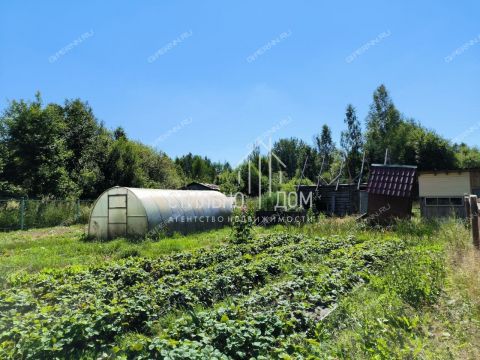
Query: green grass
[[109, 305], [33, 250], [36, 249], [426, 305]]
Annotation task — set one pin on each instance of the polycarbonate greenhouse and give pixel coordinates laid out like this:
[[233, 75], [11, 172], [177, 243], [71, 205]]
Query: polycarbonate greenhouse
[[133, 212]]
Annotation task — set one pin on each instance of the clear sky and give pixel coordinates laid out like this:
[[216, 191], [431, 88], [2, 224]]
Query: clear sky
[[209, 77]]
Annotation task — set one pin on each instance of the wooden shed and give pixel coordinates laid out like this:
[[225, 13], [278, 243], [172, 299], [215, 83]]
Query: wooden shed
[[391, 189], [340, 200], [441, 192]]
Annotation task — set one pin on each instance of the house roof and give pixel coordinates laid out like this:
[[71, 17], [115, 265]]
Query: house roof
[[210, 186], [391, 180]]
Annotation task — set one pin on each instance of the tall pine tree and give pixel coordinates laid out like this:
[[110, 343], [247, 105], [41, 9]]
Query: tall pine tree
[[352, 142], [382, 122], [325, 146]]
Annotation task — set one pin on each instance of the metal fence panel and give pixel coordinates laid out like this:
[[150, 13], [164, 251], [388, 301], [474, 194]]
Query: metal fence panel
[[20, 214]]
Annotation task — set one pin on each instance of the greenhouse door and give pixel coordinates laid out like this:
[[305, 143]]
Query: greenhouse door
[[117, 216]]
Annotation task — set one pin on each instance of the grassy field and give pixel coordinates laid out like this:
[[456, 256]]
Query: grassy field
[[332, 289], [32, 250]]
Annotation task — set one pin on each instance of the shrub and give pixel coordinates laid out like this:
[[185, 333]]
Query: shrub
[[243, 221], [9, 214], [127, 253]]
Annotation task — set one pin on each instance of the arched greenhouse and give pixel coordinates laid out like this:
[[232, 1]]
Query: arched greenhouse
[[133, 212]]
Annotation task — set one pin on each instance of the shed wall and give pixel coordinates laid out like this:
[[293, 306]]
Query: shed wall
[[342, 201], [383, 207], [475, 182], [443, 184], [433, 212]]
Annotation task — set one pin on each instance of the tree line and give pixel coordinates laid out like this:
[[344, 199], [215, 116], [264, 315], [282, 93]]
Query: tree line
[[63, 151]]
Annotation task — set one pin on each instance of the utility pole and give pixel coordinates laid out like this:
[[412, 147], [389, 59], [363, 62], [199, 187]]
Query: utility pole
[[361, 171], [259, 181], [320, 173], [270, 166], [303, 171], [340, 174], [249, 178]]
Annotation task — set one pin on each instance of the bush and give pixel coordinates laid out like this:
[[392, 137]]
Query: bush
[[243, 221], [270, 201], [9, 214], [127, 253]]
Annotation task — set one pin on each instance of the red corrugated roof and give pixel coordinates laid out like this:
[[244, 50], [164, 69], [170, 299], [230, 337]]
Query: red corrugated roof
[[391, 180]]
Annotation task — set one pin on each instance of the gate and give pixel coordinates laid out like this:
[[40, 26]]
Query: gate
[[117, 216]]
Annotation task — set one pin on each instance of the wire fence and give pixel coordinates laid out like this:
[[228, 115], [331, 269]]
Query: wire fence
[[22, 214]]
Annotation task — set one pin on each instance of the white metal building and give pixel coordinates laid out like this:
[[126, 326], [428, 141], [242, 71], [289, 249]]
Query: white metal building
[[441, 193], [132, 212]]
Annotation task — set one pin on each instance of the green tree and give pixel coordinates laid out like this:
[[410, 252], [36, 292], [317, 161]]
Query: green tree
[[119, 133], [295, 154], [433, 152], [38, 154], [255, 179], [157, 169], [382, 122], [467, 157], [228, 181], [131, 163], [325, 146], [306, 162], [352, 142], [123, 165], [413, 144], [249, 172], [7, 189], [197, 168], [403, 142], [88, 142]]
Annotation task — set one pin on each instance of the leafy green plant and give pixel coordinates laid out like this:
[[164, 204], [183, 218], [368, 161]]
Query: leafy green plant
[[243, 221], [283, 295], [418, 276], [79, 311]]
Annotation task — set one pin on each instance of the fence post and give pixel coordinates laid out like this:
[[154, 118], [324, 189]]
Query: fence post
[[466, 203], [77, 216], [474, 214], [22, 213]]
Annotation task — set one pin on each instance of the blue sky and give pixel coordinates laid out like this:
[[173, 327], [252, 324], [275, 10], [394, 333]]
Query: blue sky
[[202, 93]]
